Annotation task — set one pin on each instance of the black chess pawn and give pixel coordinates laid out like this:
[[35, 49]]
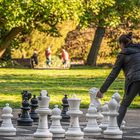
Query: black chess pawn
[[34, 105], [65, 105], [24, 118], [26, 93]]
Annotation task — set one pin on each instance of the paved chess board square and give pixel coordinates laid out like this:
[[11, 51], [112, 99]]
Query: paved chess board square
[[26, 133]]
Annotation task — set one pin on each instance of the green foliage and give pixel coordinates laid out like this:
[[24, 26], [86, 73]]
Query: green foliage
[[31, 12], [43, 15], [110, 12], [6, 64]]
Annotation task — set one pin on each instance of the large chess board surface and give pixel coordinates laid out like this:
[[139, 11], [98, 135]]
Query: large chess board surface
[[131, 132]]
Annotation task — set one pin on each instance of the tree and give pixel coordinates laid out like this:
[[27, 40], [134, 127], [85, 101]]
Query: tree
[[104, 14], [22, 16]]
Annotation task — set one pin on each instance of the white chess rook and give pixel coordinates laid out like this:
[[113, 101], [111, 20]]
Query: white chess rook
[[105, 121], [92, 129], [94, 100], [43, 111], [74, 131], [113, 131], [56, 128], [7, 128]]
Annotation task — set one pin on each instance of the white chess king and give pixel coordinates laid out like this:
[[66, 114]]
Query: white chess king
[[43, 111]]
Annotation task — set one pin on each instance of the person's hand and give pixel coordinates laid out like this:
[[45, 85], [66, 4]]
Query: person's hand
[[99, 94]]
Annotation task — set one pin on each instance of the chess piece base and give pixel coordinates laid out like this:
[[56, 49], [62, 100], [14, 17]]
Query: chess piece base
[[74, 138], [24, 122], [56, 135], [92, 133], [5, 131], [76, 135], [44, 135], [59, 133], [113, 136], [116, 134], [42, 138]]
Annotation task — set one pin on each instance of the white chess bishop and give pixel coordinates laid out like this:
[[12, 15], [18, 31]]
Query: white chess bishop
[[113, 131], [94, 100], [7, 127], [74, 131], [105, 121], [42, 132], [92, 129], [56, 128]]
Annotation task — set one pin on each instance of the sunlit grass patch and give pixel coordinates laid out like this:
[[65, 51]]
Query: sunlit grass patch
[[57, 83]]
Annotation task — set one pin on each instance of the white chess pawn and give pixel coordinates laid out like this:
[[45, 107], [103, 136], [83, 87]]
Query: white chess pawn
[[7, 127], [117, 97], [56, 128], [105, 121], [92, 129], [74, 131], [42, 131], [96, 101], [113, 131]]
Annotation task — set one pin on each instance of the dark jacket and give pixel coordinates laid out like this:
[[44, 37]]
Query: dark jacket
[[129, 61], [35, 58]]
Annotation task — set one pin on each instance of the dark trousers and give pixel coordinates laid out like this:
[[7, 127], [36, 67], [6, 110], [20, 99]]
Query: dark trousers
[[134, 89]]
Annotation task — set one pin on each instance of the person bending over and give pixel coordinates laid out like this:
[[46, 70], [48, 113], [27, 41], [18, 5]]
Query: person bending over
[[129, 61]]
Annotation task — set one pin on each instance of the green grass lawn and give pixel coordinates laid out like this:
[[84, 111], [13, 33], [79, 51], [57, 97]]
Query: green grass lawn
[[57, 82]]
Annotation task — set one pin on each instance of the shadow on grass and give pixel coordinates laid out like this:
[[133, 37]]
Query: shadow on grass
[[15, 84]]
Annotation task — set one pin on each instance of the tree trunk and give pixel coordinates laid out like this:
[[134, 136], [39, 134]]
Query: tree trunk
[[7, 54], [98, 37], [6, 41]]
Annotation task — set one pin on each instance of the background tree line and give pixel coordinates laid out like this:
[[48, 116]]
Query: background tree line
[[87, 23]]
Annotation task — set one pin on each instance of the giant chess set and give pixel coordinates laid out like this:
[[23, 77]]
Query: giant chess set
[[101, 120]]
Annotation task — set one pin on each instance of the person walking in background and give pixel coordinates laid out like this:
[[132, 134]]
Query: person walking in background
[[65, 58], [48, 56], [129, 61], [34, 58]]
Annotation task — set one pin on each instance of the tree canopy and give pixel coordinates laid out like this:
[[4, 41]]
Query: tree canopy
[[110, 13], [44, 15], [22, 16]]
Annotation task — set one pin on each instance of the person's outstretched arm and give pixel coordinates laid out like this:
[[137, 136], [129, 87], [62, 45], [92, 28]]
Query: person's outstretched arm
[[114, 73]]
